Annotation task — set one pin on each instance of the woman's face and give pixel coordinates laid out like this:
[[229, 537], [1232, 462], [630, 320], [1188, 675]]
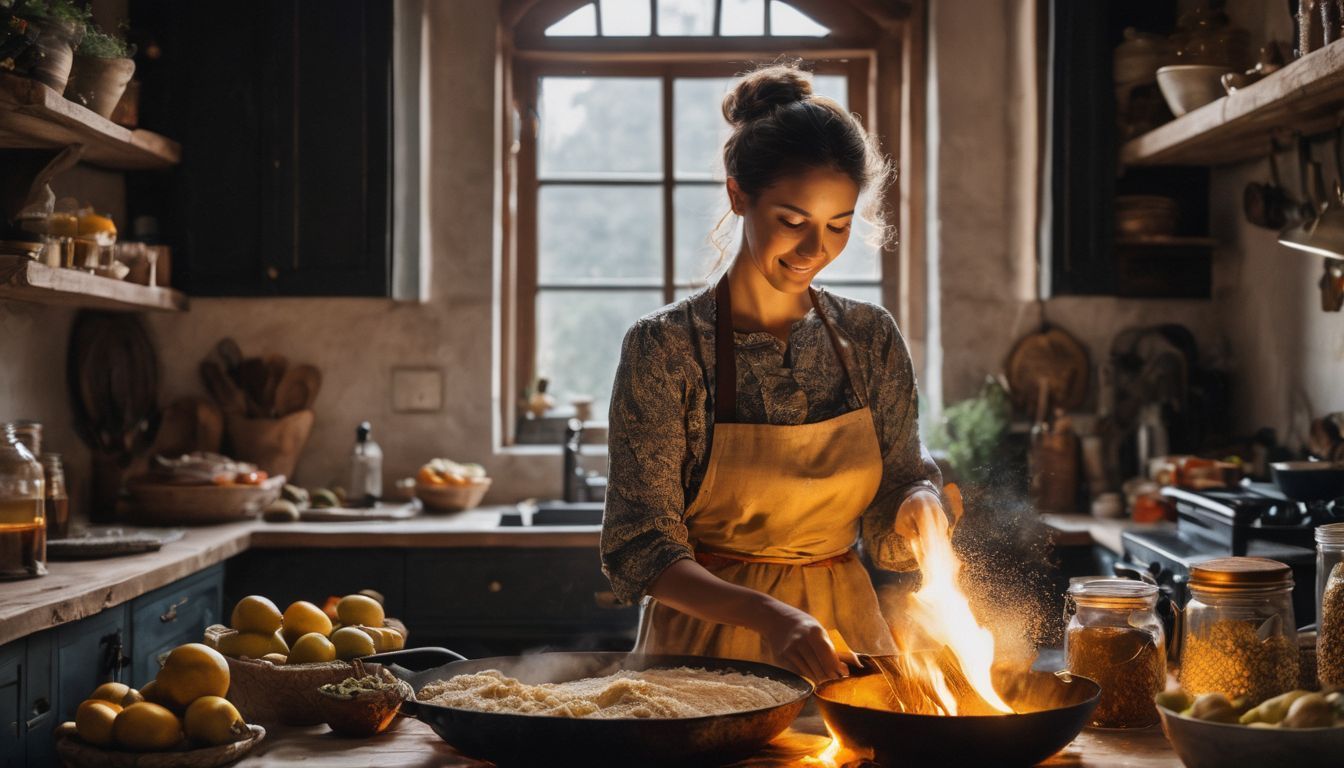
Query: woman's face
[[796, 226]]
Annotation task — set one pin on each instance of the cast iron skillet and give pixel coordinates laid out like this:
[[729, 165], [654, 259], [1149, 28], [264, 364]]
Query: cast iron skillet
[[1309, 480], [1054, 710], [507, 739]]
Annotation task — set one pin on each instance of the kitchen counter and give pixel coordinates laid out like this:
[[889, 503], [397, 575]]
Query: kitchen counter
[[412, 743], [1086, 530], [75, 589]]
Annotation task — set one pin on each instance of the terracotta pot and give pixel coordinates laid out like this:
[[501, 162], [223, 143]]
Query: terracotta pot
[[98, 83], [56, 41], [274, 445]]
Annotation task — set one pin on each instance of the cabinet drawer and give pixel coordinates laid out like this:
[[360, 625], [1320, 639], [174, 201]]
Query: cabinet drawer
[[170, 616], [525, 586]]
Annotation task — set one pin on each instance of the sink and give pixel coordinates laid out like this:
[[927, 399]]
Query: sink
[[554, 513]]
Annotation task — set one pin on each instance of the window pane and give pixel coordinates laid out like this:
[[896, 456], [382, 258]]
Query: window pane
[[859, 260], [579, 337], [789, 21], [581, 23], [868, 293], [698, 208], [832, 86], [698, 128], [685, 17], [600, 127], [742, 17], [600, 233], [625, 17]]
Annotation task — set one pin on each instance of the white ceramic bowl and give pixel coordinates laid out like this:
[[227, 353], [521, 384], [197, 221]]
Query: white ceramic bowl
[[1187, 87], [1202, 744]]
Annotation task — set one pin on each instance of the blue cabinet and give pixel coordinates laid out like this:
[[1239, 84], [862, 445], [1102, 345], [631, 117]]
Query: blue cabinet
[[44, 677]]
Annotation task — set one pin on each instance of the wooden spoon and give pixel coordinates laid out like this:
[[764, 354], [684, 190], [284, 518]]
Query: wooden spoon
[[297, 391]]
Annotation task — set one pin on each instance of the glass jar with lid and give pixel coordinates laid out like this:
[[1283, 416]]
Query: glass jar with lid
[[57, 500], [1238, 636], [1329, 553], [23, 530], [1115, 638]]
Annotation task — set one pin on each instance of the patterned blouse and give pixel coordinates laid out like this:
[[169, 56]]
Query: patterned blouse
[[661, 422]]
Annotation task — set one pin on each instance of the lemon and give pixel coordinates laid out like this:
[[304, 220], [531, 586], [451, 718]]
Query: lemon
[[113, 692], [146, 727], [255, 613], [189, 672], [253, 645], [359, 609], [303, 617], [93, 721], [149, 692], [132, 697], [312, 648], [213, 720], [275, 658], [351, 642], [384, 638]]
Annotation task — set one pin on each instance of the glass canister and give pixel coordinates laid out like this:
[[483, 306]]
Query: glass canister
[[1329, 553], [23, 526], [1330, 638], [1238, 635], [1115, 638], [57, 500]]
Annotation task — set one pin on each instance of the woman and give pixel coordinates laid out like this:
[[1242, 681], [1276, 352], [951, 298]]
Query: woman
[[759, 426]]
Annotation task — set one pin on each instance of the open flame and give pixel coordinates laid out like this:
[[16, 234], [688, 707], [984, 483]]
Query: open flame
[[945, 656]]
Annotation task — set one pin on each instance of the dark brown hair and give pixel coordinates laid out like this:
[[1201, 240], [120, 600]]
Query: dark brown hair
[[781, 127]]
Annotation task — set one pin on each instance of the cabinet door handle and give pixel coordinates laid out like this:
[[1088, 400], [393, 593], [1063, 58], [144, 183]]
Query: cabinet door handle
[[41, 710], [495, 586], [170, 615]]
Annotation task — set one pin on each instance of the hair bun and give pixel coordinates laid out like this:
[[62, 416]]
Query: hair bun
[[759, 92]]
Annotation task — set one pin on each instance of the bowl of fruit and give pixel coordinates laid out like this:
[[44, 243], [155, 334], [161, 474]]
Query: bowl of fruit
[[277, 661], [443, 485], [1304, 729], [200, 489], [181, 719]]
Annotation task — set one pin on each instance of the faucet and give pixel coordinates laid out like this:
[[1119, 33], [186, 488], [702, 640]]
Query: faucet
[[573, 477]]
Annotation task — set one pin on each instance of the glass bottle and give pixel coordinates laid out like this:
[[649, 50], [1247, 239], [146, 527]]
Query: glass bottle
[[23, 529], [366, 468], [57, 500], [1115, 638], [30, 434], [1329, 552], [1238, 635]]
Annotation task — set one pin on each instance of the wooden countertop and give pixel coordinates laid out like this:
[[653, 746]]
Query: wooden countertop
[[1086, 530], [72, 590], [411, 743]]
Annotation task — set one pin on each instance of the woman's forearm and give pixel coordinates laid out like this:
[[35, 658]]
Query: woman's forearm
[[691, 589]]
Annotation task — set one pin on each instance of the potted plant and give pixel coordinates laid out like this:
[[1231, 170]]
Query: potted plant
[[60, 26], [102, 68]]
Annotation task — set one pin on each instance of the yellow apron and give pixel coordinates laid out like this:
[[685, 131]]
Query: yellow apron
[[779, 511]]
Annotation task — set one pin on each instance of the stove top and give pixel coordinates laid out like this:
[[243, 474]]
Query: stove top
[[1229, 519]]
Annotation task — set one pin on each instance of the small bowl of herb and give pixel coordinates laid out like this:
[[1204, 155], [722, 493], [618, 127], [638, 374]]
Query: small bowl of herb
[[363, 705]]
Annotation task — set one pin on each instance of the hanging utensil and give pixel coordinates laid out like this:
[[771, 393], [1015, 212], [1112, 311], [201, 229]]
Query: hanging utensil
[[1324, 234], [1268, 204]]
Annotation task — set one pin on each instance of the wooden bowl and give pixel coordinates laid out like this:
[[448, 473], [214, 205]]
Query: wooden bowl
[[1202, 744], [154, 503], [364, 714], [77, 754], [452, 498]]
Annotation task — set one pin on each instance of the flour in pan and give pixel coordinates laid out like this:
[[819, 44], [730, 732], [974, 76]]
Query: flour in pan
[[651, 693]]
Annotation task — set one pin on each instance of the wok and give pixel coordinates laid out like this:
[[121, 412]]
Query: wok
[[1053, 711], [513, 739], [1309, 480]]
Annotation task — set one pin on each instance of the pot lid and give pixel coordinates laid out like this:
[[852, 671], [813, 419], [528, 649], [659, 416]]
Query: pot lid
[[1240, 572]]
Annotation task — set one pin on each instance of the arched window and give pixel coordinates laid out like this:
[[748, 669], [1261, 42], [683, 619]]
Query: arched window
[[614, 178]]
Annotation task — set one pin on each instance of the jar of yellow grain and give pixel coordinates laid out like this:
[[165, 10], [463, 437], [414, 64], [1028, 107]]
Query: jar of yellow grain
[[1238, 634]]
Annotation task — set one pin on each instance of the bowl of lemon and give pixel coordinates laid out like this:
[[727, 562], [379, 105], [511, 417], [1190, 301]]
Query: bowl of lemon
[[181, 719], [277, 660]]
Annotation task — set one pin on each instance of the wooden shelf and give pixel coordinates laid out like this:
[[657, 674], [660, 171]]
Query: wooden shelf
[[23, 279], [1306, 96], [33, 116]]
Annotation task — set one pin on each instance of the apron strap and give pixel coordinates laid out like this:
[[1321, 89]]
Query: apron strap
[[725, 354]]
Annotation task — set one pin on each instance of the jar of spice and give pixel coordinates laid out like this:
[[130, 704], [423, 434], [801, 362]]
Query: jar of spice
[[1329, 553], [1330, 640], [1238, 635], [23, 530], [1115, 638]]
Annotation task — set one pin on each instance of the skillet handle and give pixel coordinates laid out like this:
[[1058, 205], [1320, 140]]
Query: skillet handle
[[416, 659]]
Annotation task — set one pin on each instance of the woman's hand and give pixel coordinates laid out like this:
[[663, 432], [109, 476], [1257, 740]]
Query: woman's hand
[[800, 643], [925, 508]]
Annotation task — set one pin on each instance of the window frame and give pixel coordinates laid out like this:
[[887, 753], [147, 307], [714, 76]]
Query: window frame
[[859, 47]]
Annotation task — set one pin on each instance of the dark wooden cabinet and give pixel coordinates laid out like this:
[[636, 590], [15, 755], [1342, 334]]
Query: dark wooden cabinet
[[284, 111], [171, 616]]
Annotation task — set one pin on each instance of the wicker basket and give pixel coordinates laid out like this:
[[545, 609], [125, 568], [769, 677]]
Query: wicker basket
[[268, 694], [78, 754], [452, 498]]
